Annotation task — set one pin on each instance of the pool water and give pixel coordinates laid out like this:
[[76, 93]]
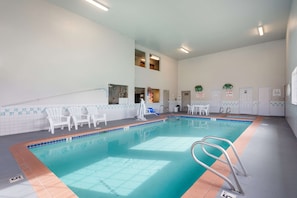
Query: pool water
[[150, 160]]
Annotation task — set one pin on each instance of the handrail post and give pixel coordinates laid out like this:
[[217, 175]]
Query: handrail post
[[202, 143], [233, 148]]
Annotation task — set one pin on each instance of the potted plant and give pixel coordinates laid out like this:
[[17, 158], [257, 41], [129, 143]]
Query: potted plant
[[227, 86], [198, 88]]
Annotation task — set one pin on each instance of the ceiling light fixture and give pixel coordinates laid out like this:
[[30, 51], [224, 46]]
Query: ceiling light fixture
[[155, 57], [98, 5], [184, 50], [260, 30]]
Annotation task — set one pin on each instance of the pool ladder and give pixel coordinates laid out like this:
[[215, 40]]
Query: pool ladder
[[203, 142]]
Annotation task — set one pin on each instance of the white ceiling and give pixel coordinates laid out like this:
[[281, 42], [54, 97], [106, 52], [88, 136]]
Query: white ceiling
[[203, 26]]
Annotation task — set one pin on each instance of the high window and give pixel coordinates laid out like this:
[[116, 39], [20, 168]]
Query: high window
[[154, 62], [139, 58]]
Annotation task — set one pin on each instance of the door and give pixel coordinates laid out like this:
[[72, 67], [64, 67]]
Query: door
[[215, 103], [264, 100], [246, 101], [186, 99], [165, 101]]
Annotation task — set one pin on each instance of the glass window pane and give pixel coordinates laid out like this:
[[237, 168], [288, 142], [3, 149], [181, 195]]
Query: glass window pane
[[117, 94], [139, 93], [153, 95], [139, 58], [154, 62]]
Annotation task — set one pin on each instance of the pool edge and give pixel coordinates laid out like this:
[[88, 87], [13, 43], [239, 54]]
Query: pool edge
[[47, 184]]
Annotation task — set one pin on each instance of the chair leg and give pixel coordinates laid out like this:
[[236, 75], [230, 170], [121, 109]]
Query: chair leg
[[52, 129]]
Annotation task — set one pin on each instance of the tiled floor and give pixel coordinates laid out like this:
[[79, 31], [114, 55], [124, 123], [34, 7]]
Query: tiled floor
[[268, 151]]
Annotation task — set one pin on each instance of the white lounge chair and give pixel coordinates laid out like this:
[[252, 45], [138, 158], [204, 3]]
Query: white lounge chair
[[56, 118], [96, 117], [78, 117]]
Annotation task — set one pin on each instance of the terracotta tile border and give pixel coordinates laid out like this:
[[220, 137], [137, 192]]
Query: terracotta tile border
[[46, 184]]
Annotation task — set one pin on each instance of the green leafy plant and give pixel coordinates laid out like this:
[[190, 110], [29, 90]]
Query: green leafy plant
[[198, 88], [227, 86]]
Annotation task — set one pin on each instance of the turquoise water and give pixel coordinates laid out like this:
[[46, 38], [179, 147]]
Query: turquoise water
[[150, 160]]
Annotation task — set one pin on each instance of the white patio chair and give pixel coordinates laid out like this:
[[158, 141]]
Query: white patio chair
[[78, 117], [195, 109], [189, 109], [56, 118], [204, 109], [96, 117]]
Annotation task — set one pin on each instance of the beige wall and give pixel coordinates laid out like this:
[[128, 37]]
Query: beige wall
[[254, 66], [291, 110]]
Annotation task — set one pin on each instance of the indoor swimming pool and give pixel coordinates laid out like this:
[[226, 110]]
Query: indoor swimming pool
[[149, 160]]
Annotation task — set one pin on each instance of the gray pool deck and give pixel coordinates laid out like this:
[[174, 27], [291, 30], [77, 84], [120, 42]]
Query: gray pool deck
[[271, 162], [270, 159]]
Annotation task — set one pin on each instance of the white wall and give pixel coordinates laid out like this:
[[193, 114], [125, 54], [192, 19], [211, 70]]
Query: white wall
[[47, 51], [165, 79], [254, 66], [50, 56], [291, 110]]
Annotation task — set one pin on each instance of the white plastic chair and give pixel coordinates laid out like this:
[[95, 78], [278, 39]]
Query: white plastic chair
[[78, 117], [56, 118], [204, 109], [96, 117], [195, 109], [189, 109]]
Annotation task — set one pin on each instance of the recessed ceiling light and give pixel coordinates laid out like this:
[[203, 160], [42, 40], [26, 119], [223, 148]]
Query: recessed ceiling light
[[184, 50], [260, 30], [98, 4]]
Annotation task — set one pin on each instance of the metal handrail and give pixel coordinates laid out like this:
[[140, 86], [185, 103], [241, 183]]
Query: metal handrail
[[244, 172], [228, 161]]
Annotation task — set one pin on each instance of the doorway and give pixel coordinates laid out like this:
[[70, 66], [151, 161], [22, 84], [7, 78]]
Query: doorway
[[165, 101], [264, 100], [246, 101], [186, 99]]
